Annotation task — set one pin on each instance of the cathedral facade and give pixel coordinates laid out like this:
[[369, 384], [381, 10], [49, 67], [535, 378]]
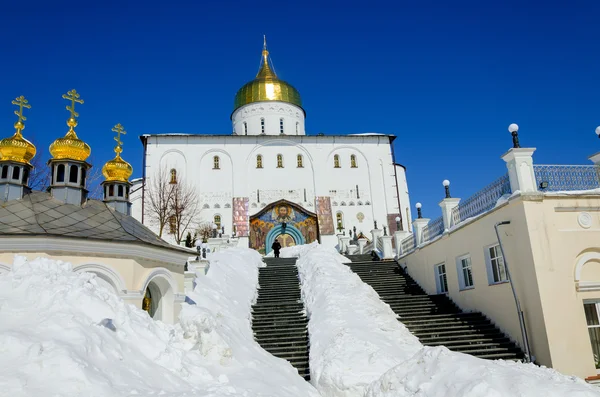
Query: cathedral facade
[[270, 180]]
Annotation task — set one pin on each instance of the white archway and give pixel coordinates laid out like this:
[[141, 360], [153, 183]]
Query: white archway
[[107, 275], [586, 285], [162, 287]]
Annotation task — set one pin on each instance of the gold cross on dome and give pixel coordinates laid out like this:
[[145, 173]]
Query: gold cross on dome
[[21, 102], [119, 130], [73, 96]]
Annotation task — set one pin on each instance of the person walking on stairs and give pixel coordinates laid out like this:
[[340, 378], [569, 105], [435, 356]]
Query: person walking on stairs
[[276, 247]]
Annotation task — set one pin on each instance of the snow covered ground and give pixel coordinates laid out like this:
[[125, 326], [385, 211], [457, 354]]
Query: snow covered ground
[[53, 343], [359, 348]]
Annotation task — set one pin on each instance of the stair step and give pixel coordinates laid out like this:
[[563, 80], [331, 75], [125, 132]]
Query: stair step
[[277, 339]]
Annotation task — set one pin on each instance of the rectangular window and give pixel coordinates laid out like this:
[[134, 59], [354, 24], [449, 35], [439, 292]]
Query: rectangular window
[[441, 279], [591, 316], [465, 272], [496, 267]]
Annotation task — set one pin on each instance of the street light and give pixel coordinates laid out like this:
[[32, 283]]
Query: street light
[[398, 223], [446, 184], [214, 228], [598, 131], [419, 214], [514, 130]]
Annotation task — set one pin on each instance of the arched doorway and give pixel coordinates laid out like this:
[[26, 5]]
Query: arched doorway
[[159, 296], [288, 236]]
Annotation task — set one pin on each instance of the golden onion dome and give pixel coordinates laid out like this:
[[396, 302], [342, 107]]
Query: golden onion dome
[[70, 146], [266, 87], [16, 148], [117, 169]]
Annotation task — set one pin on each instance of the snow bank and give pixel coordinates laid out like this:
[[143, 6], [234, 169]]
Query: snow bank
[[55, 338], [359, 348]]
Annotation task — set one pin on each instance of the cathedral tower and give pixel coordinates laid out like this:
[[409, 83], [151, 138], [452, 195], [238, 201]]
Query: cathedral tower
[[268, 105], [116, 173], [16, 153], [68, 165]]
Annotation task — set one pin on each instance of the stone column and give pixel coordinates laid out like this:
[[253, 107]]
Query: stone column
[[519, 162], [398, 237], [447, 205], [376, 234], [362, 242], [418, 225], [345, 242], [388, 252]]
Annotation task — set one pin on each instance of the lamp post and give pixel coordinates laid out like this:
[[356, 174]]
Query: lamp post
[[398, 223], [514, 130], [214, 229], [419, 214], [446, 184], [598, 131]]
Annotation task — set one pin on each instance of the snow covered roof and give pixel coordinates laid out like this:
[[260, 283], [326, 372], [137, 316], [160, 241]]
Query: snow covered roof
[[38, 214]]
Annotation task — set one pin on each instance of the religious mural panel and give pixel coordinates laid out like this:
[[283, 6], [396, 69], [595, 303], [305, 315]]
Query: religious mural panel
[[287, 222], [240, 216], [323, 205]]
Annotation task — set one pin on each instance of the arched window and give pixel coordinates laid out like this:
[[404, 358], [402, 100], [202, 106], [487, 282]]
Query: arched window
[[217, 221], [172, 224], [111, 190], [245, 128], [297, 127], [25, 176], [4, 172], [83, 177], [300, 165], [60, 173], [281, 126], [173, 176], [353, 161], [73, 172], [216, 163], [120, 191], [259, 161], [262, 125], [336, 161], [127, 192], [16, 173], [279, 161], [339, 217]]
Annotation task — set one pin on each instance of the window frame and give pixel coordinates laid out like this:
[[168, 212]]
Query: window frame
[[216, 163], [490, 267], [299, 161], [596, 303], [280, 161], [245, 128], [336, 161], [438, 278], [217, 220], [262, 125], [462, 284], [281, 126], [353, 162], [259, 161], [173, 179]]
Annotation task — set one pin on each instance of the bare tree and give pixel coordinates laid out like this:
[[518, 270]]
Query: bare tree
[[184, 209], [204, 230], [159, 191]]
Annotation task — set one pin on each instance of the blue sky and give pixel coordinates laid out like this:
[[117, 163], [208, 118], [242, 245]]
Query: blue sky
[[446, 77]]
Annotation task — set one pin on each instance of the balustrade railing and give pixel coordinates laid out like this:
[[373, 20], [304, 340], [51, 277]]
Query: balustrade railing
[[408, 244], [482, 201], [433, 229], [551, 178]]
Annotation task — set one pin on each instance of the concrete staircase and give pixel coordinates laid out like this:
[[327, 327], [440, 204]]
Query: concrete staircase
[[278, 319], [434, 319]]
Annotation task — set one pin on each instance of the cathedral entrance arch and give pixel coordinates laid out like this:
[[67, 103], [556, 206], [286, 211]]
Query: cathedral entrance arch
[[282, 218]]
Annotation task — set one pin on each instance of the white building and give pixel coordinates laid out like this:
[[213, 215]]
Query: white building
[[270, 180]]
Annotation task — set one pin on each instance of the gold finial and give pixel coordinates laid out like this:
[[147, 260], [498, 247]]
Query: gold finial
[[21, 102], [119, 130], [72, 96], [265, 52]]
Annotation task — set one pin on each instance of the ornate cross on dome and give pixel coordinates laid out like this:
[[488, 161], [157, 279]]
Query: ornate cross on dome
[[119, 130], [21, 102], [73, 96]]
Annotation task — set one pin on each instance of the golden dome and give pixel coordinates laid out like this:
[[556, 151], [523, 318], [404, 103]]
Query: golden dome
[[70, 146], [117, 169], [16, 148], [266, 87]]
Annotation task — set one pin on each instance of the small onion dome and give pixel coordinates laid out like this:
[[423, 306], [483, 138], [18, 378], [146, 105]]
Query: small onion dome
[[117, 169], [16, 148], [266, 87], [70, 146]]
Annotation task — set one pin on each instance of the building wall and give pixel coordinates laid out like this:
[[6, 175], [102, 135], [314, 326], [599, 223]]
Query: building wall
[[272, 113], [128, 277], [238, 175], [543, 244]]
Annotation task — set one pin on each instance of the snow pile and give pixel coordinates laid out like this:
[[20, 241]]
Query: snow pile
[[65, 333], [359, 348]]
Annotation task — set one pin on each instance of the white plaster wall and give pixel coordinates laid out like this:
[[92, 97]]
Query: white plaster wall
[[239, 177], [272, 112], [405, 207]]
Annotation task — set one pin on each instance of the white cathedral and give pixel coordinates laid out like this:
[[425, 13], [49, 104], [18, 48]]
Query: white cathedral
[[270, 180]]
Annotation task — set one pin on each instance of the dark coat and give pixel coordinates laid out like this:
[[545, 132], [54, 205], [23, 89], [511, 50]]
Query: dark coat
[[276, 246]]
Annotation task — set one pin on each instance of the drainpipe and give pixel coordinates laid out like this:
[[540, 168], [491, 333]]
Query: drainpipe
[[396, 179], [519, 311], [145, 144]]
